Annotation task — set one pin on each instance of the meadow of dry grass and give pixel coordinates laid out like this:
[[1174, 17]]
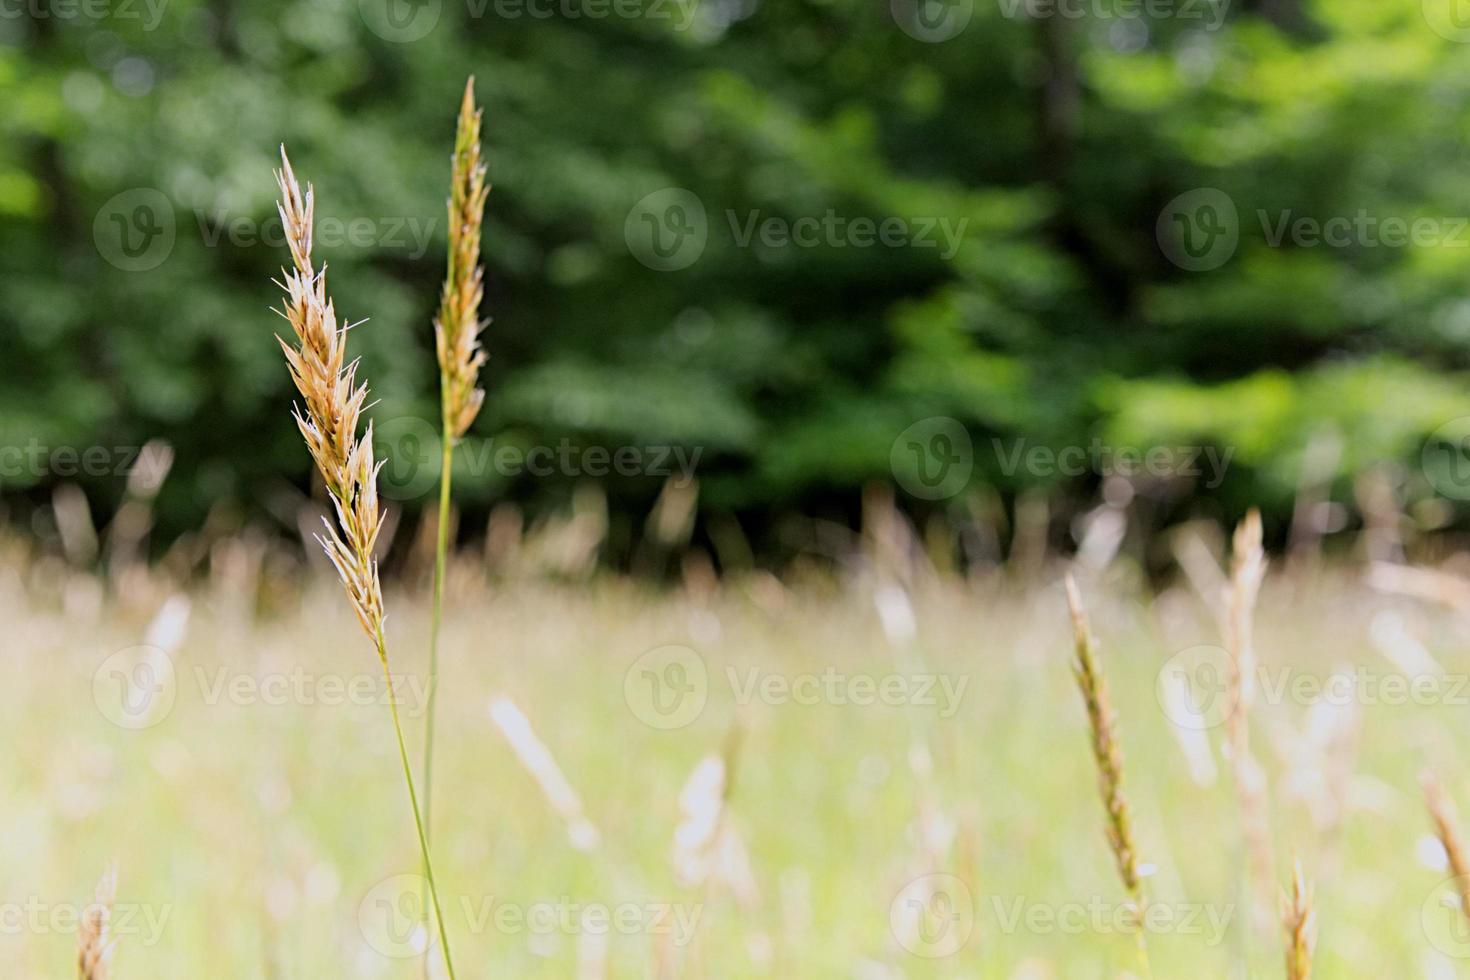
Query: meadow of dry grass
[[912, 793]]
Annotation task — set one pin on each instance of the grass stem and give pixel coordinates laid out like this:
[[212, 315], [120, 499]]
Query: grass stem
[[413, 799], [436, 621]]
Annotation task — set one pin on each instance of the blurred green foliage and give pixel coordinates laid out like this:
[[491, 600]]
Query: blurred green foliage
[[1055, 142]]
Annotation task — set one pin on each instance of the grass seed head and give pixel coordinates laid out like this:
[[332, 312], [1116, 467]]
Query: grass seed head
[[1299, 919], [331, 410], [1247, 571], [1106, 751], [457, 326], [1447, 829], [95, 943]]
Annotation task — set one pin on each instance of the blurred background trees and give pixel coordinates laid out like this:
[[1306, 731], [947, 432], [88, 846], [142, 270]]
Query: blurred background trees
[[138, 238]]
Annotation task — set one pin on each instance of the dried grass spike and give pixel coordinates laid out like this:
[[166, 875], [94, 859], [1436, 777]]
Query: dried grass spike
[[1447, 829], [1247, 571], [1106, 751], [95, 944], [333, 406], [541, 764], [1299, 919], [457, 326]]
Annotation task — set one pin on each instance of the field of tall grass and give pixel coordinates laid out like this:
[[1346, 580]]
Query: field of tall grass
[[909, 793]]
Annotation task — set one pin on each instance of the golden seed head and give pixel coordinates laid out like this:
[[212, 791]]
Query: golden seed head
[[1107, 752], [331, 409], [1447, 829], [1299, 919], [457, 326], [95, 943]]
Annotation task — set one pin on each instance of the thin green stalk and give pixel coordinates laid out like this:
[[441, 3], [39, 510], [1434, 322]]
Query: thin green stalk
[[413, 799], [457, 329], [441, 564], [1143, 961]]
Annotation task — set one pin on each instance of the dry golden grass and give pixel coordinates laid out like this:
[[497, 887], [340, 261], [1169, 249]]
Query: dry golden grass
[[1447, 828], [456, 339], [95, 943], [1299, 920], [1247, 571], [1107, 752], [334, 401], [457, 326]]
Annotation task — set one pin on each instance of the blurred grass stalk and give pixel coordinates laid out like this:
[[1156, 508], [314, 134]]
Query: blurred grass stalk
[[95, 940], [456, 339], [1447, 829], [1252, 788], [1299, 920], [1107, 753]]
